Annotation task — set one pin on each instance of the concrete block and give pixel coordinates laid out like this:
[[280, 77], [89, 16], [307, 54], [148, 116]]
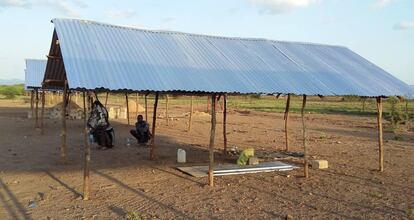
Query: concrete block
[[253, 161], [319, 164]]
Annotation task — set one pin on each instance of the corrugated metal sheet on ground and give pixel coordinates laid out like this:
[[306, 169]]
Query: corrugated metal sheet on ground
[[98, 55], [234, 169], [34, 73]]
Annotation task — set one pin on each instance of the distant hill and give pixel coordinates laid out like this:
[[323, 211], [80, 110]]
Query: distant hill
[[11, 81]]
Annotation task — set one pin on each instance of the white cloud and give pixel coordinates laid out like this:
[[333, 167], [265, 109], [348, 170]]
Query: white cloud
[[404, 25], [121, 14], [381, 3], [281, 6], [14, 3], [64, 7]]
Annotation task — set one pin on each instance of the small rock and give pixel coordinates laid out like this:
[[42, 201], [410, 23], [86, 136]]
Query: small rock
[[16, 182], [41, 196], [288, 176], [338, 142], [289, 217], [32, 204]]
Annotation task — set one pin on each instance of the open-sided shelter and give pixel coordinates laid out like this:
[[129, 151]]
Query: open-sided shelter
[[92, 56]]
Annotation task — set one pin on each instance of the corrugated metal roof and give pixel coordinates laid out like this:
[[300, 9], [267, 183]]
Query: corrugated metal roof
[[34, 73], [98, 55]]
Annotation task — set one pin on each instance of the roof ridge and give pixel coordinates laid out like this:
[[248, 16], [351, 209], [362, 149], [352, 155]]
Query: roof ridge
[[193, 34]]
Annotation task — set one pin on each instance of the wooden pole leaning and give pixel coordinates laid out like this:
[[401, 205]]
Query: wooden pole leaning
[[87, 155], [224, 124], [32, 103], [63, 131], [305, 148], [212, 137], [127, 107], [166, 110], [380, 136], [37, 109], [42, 113], [106, 99], [136, 105], [146, 106], [286, 117], [191, 114], [154, 122]]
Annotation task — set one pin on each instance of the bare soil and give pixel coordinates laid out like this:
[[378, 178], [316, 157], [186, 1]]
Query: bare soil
[[34, 185]]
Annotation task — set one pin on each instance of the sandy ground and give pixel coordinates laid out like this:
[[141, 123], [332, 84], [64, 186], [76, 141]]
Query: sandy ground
[[124, 180]]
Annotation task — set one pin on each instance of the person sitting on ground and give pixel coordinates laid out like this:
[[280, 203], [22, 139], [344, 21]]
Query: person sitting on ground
[[99, 126], [141, 131]]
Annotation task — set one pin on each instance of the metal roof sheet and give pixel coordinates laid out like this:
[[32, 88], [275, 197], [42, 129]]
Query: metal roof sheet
[[98, 55], [34, 73]]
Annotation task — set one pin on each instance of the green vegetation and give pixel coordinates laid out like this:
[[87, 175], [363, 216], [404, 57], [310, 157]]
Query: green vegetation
[[397, 114], [11, 91], [132, 216]]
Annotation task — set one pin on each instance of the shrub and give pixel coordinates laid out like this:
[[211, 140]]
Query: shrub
[[10, 92], [396, 115]]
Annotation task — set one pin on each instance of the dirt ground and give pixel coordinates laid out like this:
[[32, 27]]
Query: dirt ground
[[33, 185]]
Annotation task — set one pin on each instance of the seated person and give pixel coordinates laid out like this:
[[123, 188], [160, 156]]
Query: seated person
[[141, 132], [99, 127]]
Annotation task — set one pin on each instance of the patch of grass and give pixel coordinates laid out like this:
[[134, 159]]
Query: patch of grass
[[132, 216], [410, 212], [375, 195]]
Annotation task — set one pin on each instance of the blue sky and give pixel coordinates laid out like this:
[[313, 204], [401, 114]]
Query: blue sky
[[380, 30]]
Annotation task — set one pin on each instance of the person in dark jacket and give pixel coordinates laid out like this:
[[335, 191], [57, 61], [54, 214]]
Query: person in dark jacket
[[141, 131]]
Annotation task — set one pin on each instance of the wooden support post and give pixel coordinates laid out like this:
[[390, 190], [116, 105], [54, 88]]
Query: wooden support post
[[87, 156], [42, 113], [166, 110], [106, 99], [76, 98], [136, 105], [146, 107], [191, 114], [127, 107], [32, 103], [224, 124], [212, 137], [380, 138], [287, 122], [305, 148], [407, 116], [37, 109], [63, 132], [154, 122], [208, 104]]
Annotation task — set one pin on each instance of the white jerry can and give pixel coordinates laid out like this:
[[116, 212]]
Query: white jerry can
[[181, 156]]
